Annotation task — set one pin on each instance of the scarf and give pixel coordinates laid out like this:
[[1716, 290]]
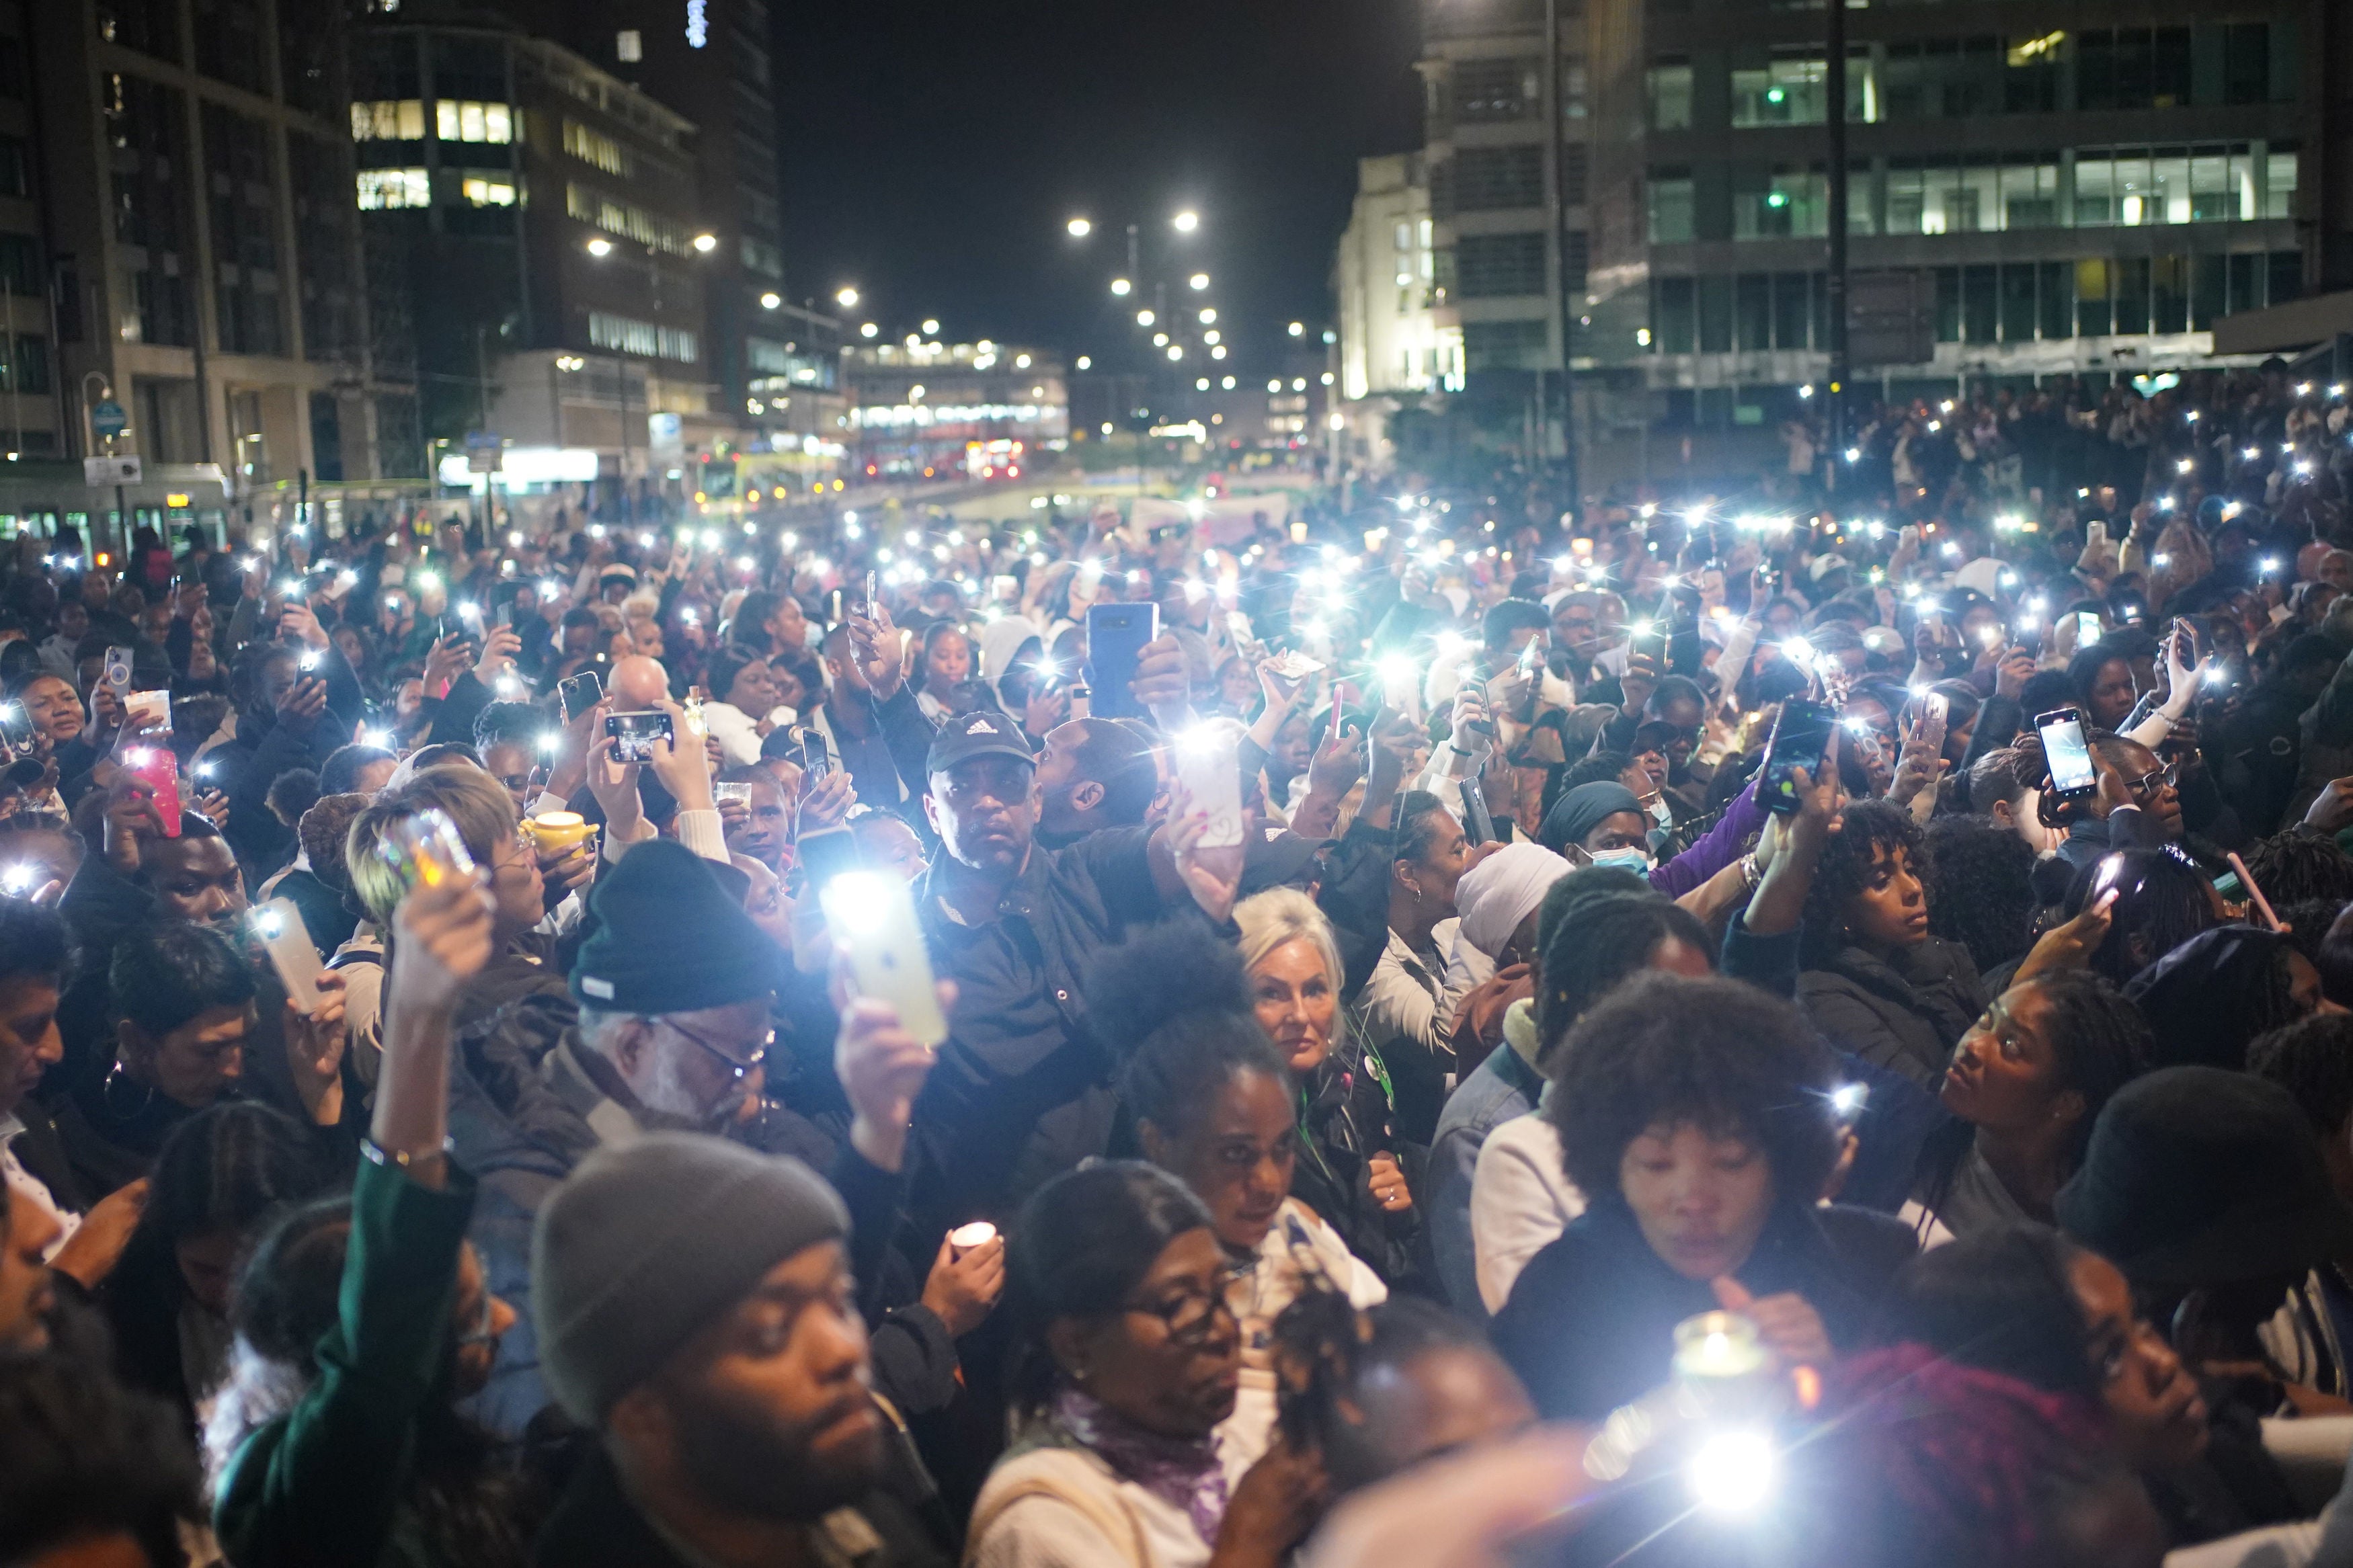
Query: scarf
[[1181, 1471]]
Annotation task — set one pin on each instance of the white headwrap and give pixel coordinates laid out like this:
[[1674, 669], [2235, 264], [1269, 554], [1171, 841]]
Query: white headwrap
[[1495, 895]]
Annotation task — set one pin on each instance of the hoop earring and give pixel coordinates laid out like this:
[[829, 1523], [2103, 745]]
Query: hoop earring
[[107, 1096]]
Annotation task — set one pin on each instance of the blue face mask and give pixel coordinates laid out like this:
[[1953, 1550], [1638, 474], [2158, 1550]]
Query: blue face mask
[[1627, 860]]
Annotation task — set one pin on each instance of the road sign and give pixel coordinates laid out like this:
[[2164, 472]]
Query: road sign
[[109, 470], [109, 420], [485, 452]]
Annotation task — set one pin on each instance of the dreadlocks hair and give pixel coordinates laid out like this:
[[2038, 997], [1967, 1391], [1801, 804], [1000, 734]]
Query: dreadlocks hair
[[1593, 945], [2298, 867], [2313, 1060], [1172, 1006], [1325, 1349], [1874, 830]]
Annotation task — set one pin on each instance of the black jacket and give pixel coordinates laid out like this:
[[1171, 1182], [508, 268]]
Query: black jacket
[[1905, 1013], [1591, 1320], [597, 1526]]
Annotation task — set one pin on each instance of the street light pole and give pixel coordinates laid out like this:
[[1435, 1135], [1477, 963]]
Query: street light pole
[[1556, 161], [1834, 292]]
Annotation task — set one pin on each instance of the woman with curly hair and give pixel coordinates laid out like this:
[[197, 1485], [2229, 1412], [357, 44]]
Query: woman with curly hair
[[1874, 981], [1697, 1117], [2025, 1085], [1985, 878]]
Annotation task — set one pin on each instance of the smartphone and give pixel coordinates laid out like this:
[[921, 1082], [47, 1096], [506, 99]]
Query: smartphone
[[292, 952], [636, 732], [579, 693], [1207, 766], [1117, 636], [2065, 745], [1935, 707], [159, 770], [15, 727], [505, 617], [875, 917], [2088, 629], [147, 711], [425, 849], [817, 758], [117, 671], [827, 854], [873, 595], [1005, 590], [1800, 738]]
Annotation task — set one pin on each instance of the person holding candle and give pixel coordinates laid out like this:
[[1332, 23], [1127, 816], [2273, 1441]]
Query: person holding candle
[[1697, 1117]]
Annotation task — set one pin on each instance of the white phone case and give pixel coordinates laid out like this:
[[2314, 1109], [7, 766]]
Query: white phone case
[[292, 954], [1208, 767], [873, 918]]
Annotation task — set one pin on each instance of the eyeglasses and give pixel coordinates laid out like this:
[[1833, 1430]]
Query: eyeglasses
[[740, 1066], [2163, 776], [1189, 1319]]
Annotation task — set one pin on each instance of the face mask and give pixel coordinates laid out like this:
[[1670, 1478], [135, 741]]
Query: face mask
[[1627, 860]]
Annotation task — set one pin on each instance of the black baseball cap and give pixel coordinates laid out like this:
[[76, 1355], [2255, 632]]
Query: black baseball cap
[[985, 733]]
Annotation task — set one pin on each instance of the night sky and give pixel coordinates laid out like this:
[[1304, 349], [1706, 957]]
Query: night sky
[[932, 153]]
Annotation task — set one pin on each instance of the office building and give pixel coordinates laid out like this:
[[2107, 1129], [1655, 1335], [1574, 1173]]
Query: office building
[[544, 215], [191, 166], [2031, 193]]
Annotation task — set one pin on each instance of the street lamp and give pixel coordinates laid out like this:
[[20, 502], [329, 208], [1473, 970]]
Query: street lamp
[[706, 243], [599, 246], [1298, 329], [868, 330], [1209, 315], [1198, 281], [1080, 227], [1120, 286], [1145, 318], [846, 297], [931, 327], [1187, 221], [1085, 362], [770, 302]]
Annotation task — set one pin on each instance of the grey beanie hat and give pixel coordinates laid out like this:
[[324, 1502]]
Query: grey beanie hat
[[649, 1240]]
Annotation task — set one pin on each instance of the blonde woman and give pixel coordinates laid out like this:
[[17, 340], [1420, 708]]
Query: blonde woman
[[1352, 1170]]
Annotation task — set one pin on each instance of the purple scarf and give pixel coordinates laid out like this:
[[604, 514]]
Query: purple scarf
[[1182, 1472]]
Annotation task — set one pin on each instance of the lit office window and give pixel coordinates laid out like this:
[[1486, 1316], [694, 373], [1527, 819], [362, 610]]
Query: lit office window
[[382, 189], [487, 193], [460, 121], [400, 120]]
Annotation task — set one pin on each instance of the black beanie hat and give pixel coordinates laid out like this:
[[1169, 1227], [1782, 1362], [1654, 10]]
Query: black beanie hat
[[669, 939]]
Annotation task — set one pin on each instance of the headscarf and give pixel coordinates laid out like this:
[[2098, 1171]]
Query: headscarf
[[1495, 895], [2209, 997], [1585, 808]]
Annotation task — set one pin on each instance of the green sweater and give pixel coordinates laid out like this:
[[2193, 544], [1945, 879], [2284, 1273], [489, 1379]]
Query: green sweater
[[327, 1483]]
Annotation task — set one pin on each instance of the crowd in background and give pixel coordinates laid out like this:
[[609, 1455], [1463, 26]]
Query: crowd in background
[[1542, 1134]]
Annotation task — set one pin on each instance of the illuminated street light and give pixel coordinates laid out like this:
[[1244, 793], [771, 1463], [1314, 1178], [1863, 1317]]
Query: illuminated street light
[[1208, 316], [770, 302], [1085, 362], [868, 330], [931, 327], [1210, 336], [1080, 227], [1160, 340], [1202, 384], [846, 297], [1187, 221], [1120, 286], [1298, 329], [1143, 318], [600, 248], [1228, 383], [1175, 351], [705, 244], [1198, 281], [1218, 352]]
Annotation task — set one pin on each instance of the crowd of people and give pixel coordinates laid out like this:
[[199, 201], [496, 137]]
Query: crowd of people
[[745, 1040]]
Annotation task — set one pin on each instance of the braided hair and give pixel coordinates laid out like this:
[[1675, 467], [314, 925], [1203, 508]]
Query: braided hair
[[1595, 943], [1874, 828]]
